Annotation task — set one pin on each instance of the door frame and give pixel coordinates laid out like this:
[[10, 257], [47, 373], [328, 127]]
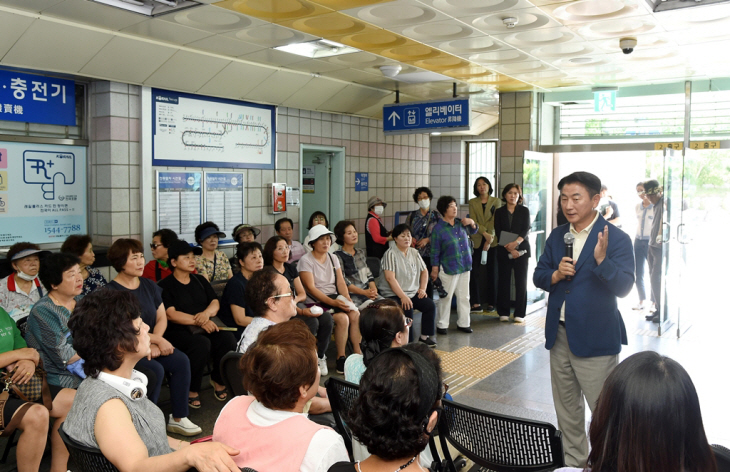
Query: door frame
[[337, 182]]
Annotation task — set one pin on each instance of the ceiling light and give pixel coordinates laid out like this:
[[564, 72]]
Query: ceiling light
[[317, 48], [436, 133], [668, 5], [151, 7], [580, 60], [391, 70]]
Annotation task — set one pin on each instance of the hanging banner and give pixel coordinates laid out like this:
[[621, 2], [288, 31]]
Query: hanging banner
[[37, 99], [42, 192], [180, 203]]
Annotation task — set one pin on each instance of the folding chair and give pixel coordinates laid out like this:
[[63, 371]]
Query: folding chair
[[86, 459], [342, 395], [722, 457]]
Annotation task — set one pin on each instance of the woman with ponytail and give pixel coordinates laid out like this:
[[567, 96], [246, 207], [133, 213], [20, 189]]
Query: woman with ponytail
[[382, 325]]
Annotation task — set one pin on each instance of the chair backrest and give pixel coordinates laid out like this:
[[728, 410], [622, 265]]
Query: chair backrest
[[722, 457], [342, 395], [87, 459], [498, 442], [232, 377], [219, 286], [374, 266]]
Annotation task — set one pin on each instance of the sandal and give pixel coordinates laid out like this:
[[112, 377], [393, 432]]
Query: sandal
[[192, 402], [220, 395]]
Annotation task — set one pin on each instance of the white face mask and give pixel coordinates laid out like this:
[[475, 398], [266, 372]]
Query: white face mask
[[378, 210], [424, 204], [25, 276]]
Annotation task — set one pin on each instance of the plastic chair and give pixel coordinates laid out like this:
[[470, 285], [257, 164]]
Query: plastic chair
[[86, 459], [342, 395], [232, 377], [722, 457], [499, 443]]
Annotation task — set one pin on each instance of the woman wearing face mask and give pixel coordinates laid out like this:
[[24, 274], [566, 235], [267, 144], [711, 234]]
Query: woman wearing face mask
[[80, 246], [482, 287], [421, 223], [20, 290], [376, 236]]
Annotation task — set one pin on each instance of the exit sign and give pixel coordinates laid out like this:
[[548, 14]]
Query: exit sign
[[604, 101]]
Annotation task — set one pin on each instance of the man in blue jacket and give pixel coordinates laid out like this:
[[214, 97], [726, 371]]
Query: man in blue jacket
[[583, 330]]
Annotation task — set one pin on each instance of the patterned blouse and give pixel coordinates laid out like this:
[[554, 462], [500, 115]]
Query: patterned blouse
[[94, 281], [220, 264], [421, 227]]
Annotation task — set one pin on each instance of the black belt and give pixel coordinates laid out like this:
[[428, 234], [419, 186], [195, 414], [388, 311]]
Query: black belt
[[561, 323]]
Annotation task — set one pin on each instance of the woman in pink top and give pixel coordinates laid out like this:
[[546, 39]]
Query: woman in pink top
[[271, 427]]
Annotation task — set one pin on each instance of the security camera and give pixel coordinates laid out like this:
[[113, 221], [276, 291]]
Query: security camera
[[627, 45]]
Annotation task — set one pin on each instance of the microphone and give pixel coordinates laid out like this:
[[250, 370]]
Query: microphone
[[569, 239]]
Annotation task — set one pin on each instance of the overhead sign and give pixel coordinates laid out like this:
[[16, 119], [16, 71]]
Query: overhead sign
[[604, 101], [37, 99], [361, 181], [445, 115], [42, 192]]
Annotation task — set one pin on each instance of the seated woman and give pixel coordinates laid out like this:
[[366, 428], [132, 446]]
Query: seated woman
[[403, 277], [212, 264], [81, 247], [158, 269], [284, 227], [111, 411], [318, 218], [127, 259], [280, 372], [360, 281], [20, 290], [48, 331], [382, 326], [326, 287], [234, 308], [245, 233], [190, 303], [276, 255], [397, 409], [648, 418], [31, 418]]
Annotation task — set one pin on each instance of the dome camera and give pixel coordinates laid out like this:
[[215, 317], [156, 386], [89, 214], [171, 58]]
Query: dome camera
[[627, 45]]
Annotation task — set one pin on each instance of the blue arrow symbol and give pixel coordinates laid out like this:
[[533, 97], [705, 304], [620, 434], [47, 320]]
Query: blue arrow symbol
[[393, 116]]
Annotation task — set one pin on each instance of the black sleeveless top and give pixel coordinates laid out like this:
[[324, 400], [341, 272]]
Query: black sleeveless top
[[374, 249]]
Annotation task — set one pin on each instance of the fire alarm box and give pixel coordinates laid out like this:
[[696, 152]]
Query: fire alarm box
[[278, 198]]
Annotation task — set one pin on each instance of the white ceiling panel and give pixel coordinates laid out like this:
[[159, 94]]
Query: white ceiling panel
[[212, 19], [358, 60], [437, 31], [12, 27], [587, 11], [363, 77], [470, 46], [270, 35], [617, 28], [166, 31], [527, 19], [236, 80], [96, 14], [643, 41], [314, 93], [31, 5], [555, 52], [538, 37], [225, 46], [186, 71], [461, 8], [47, 45], [273, 57], [353, 99], [278, 87], [403, 12], [315, 66], [127, 60]]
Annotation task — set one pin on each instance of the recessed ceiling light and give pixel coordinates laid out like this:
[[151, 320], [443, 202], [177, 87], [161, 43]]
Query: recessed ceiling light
[[150, 7], [435, 133], [580, 60], [317, 48]]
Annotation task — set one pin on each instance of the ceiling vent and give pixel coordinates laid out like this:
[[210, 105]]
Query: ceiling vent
[[151, 7], [669, 5]]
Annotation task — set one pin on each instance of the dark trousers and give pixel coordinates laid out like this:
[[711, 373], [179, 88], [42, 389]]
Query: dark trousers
[[177, 366], [428, 313], [483, 280], [506, 267], [199, 348], [429, 285], [655, 275], [641, 252], [321, 328]]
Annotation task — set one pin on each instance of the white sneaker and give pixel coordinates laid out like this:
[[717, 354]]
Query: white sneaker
[[504, 318], [322, 363], [184, 427], [519, 319], [639, 306]]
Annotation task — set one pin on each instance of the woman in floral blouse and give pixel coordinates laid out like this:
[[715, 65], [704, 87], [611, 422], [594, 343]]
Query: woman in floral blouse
[[212, 264], [81, 247]]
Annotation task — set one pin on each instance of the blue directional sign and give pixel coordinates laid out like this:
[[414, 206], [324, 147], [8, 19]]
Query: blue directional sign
[[37, 99], [361, 181], [444, 115]]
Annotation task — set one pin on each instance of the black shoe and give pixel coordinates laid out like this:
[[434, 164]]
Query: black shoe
[[465, 330], [442, 331], [489, 308], [655, 319], [443, 293], [428, 342], [650, 316], [341, 365]]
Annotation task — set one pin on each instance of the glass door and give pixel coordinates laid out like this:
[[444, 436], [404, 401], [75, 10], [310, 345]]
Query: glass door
[[537, 190]]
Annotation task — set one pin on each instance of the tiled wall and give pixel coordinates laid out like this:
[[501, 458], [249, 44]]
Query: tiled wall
[[517, 133]]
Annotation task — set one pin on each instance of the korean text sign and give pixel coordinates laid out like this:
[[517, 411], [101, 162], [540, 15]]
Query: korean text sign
[[37, 99]]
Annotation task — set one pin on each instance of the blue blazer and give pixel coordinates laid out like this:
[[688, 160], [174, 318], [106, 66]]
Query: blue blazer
[[593, 322]]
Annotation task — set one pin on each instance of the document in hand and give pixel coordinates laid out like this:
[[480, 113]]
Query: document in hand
[[505, 237]]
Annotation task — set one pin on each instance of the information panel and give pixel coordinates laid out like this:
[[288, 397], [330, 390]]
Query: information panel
[[444, 115], [224, 200], [42, 192], [37, 99], [180, 202], [197, 131]]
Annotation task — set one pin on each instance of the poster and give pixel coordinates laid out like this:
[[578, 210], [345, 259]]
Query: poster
[[224, 200], [180, 202], [42, 192], [198, 131], [307, 179]]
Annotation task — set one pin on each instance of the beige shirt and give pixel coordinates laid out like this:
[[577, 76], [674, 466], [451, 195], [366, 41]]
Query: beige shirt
[[580, 240]]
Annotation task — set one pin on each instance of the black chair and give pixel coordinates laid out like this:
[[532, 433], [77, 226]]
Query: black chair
[[86, 459], [722, 457], [342, 395], [499, 443], [374, 266], [232, 378]]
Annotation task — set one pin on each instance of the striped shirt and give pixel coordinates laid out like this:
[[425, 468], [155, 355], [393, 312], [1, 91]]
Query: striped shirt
[[450, 246]]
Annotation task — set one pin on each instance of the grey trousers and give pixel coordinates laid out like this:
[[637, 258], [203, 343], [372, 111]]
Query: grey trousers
[[574, 378]]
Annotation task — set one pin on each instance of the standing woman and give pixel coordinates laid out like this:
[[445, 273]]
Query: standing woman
[[81, 247], [421, 223], [482, 287], [376, 236], [20, 290], [514, 217], [158, 268], [212, 264], [645, 218]]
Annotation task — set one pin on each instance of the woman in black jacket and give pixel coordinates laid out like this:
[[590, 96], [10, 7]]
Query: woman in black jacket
[[512, 218]]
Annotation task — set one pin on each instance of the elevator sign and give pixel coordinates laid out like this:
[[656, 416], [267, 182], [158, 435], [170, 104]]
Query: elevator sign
[[411, 118]]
